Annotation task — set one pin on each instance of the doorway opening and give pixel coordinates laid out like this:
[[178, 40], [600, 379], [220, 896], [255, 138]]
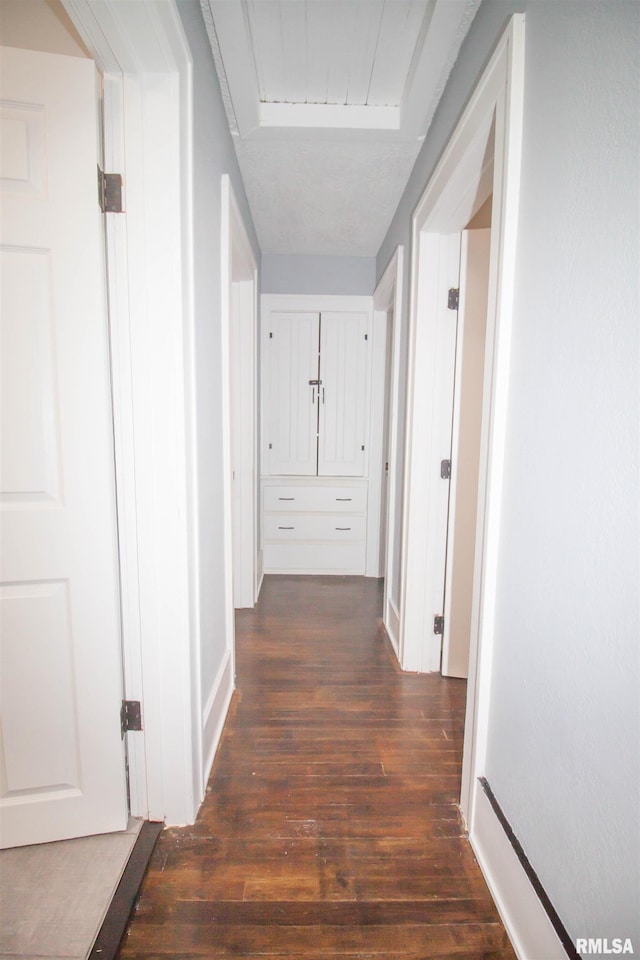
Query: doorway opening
[[384, 556], [240, 331], [466, 431]]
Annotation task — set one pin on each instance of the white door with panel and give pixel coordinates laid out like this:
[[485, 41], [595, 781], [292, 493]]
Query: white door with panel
[[465, 451], [62, 771]]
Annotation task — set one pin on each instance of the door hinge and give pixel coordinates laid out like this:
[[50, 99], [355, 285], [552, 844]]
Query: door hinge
[[110, 192], [130, 716], [445, 469], [453, 299], [438, 625]]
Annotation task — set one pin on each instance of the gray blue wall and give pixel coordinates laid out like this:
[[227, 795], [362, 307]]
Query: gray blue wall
[[319, 275], [213, 155], [564, 737]]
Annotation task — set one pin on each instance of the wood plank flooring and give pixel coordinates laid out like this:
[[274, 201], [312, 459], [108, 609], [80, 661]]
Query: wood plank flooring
[[330, 826]]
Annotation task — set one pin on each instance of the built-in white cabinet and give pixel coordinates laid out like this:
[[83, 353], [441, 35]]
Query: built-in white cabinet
[[315, 375], [314, 370], [314, 526]]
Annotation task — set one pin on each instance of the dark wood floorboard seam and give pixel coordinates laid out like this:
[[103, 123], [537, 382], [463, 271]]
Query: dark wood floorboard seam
[[121, 907]]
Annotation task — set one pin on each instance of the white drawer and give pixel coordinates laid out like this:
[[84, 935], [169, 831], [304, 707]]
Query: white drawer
[[318, 558], [292, 527], [291, 498]]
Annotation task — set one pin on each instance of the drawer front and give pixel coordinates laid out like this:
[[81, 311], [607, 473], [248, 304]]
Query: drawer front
[[318, 558], [335, 527], [308, 499]]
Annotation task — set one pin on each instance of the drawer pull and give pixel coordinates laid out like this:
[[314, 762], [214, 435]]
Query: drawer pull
[[343, 528], [345, 499], [286, 498], [286, 528]]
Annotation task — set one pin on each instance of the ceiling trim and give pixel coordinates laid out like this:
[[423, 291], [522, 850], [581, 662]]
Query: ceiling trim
[[328, 116], [448, 26], [227, 29]]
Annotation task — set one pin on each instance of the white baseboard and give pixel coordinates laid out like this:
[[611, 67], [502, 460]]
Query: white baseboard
[[259, 573], [525, 919], [215, 714], [392, 625]]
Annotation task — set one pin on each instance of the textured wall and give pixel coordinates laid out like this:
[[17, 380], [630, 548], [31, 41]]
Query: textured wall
[[213, 156], [564, 750], [321, 275], [563, 753]]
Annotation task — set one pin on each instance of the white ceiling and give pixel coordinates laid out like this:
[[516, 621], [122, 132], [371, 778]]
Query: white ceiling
[[329, 102]]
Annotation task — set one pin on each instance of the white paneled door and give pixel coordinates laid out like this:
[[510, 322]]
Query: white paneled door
[[62, 770], [343, 413], [292, 391]]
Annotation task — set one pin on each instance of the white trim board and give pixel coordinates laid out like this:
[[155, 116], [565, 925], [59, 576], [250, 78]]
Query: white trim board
[[392, 625], [388, 296], [526, 921], [239, 290], [215, 710], [142, 51], [313, 303], [482, 156]]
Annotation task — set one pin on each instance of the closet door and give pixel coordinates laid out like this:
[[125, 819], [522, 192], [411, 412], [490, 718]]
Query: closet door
[[292, 401], [343, 371]]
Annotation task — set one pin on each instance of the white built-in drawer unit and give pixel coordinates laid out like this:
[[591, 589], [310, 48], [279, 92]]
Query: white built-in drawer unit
[[314, 525], [316, 499]]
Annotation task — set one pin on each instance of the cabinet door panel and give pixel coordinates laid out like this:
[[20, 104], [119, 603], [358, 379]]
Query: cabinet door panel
[[343, 371], [292, 415]]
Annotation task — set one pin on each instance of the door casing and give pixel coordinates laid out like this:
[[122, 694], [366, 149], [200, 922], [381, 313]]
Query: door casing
[[239, 286], [483, 156], [142, 52], [388, 296]]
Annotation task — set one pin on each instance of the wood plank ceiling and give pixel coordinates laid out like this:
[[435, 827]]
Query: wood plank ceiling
[[336, 53], [329, 102]]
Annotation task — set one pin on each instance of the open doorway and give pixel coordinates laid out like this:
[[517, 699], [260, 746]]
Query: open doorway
[[240, 323], [385, 522], [465, 442]]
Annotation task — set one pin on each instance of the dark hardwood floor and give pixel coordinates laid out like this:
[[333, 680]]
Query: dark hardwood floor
[[330, 826]]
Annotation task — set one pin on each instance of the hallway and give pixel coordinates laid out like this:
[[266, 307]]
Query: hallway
[[330, 826]]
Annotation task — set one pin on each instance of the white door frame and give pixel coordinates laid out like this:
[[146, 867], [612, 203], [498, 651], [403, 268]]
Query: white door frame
[[468, 171], [239, 275], [387, 296], [142, 52]]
